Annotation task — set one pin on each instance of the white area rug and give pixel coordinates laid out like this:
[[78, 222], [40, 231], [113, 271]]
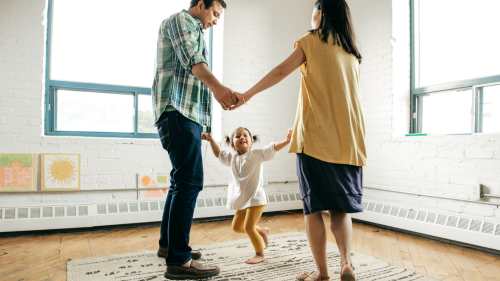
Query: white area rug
[[288, 255]]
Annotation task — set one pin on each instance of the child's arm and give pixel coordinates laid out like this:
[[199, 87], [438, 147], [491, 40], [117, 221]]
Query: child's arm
[[279, 145], [213, 144]]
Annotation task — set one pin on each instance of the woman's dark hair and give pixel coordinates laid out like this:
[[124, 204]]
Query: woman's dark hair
[[336, 21], [229, 139], [208, 3]]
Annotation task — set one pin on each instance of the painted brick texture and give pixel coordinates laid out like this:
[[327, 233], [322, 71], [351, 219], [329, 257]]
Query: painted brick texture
[[447, 165], [256, 40]]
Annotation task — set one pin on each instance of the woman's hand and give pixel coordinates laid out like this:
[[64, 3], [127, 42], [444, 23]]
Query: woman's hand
[[241, 101]]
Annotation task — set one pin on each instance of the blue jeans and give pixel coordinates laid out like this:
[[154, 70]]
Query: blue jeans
[[181, 138]]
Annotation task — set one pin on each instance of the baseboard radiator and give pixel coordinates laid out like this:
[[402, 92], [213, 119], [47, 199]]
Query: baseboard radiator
[[67, 216], [463, 229]]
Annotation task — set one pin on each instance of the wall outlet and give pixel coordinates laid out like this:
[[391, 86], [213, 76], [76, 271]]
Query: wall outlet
[[477, 191], [266, 180]]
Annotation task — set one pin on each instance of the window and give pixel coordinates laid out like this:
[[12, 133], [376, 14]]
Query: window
[[455, 81], [100, 62]]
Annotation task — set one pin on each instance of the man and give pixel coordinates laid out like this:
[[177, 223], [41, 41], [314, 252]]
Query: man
[[182, 104]]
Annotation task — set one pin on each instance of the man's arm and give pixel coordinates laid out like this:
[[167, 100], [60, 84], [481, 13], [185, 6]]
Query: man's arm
[[222, 94], [183, 36]]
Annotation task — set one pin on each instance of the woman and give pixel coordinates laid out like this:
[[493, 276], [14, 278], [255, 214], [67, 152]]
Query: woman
[[328, 135]]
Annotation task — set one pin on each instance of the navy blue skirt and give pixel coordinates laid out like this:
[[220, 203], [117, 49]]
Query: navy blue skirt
[[328, 186]]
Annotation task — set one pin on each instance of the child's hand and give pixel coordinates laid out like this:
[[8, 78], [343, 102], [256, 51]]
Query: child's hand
[[289, 134], [206, 136]]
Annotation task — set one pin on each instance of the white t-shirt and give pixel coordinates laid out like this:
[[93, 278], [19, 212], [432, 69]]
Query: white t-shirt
[[246, 177]]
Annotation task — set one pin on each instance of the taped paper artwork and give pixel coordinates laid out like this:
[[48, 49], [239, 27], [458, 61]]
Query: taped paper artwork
[[18, 172], [60, 171], [150, 180]]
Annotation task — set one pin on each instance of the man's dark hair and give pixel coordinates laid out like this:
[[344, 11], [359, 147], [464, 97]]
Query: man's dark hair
[[337, 22], [208, 3]]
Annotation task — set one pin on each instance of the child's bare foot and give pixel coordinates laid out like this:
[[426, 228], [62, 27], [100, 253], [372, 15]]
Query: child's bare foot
[[264, 232], [256, 259]]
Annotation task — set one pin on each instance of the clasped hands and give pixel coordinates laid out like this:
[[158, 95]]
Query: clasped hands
[[227, 98]]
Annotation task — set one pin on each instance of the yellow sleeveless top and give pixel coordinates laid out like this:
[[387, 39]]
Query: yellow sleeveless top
[[329, 123]]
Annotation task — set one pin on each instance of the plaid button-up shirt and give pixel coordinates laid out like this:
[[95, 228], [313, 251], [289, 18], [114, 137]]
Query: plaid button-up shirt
[[181, 46]]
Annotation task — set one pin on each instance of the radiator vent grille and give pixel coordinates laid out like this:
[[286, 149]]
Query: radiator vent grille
[[34, 213], [371, 207], [475, 225], [47, 212], [444, 220], [464, 223], [10, 214], [22, 213], [101, 209], [441, 219], [488, 227], [123, 207], [71, 211], [421, 216], [59, 212], [452, 221], [412, 215], [134, 207], [431, 217], [112, 209], [403, 213]]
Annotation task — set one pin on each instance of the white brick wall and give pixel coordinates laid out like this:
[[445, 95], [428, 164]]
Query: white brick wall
[[258, 35], [447, 165]]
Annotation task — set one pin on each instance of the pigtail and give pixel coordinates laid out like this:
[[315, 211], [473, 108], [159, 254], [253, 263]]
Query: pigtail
[[256, 138], [228, 140]]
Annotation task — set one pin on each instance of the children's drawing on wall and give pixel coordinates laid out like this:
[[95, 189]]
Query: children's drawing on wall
[[18, 172], [60, 171], [150, 180]]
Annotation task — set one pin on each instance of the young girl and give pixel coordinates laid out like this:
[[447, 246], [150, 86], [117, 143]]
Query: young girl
[[245, 191]]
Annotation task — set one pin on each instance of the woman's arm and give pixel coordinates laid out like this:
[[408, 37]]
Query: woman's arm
[[296, 59], [213, 144]]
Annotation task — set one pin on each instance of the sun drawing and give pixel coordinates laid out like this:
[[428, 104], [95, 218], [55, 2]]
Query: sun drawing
[[62, 171]]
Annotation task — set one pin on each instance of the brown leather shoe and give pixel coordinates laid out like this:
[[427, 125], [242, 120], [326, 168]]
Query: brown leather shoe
[[195, 271], [195, 254]]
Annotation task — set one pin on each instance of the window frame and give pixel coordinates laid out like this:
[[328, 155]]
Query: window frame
[[415, 93], [51, 86]]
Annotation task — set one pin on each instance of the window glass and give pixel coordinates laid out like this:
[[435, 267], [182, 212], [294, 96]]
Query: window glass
[[146, 120], [447, 112], [94, 112], [489, 109], [107, 42], [455, 40]]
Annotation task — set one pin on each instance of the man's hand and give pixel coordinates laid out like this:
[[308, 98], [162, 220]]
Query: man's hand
[[206, 136], [240, 101], [225, 97]]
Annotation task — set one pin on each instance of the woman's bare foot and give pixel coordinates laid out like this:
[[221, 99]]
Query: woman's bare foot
[[347, 272], [264, 232], [259, 257]]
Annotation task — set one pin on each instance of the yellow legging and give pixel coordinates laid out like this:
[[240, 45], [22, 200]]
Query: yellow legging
[[245, 221]]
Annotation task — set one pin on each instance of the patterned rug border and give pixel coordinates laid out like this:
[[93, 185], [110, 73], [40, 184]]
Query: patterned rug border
[[220, 246]]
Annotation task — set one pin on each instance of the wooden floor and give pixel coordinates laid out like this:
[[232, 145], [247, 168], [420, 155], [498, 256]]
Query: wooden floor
[[44, 257]]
